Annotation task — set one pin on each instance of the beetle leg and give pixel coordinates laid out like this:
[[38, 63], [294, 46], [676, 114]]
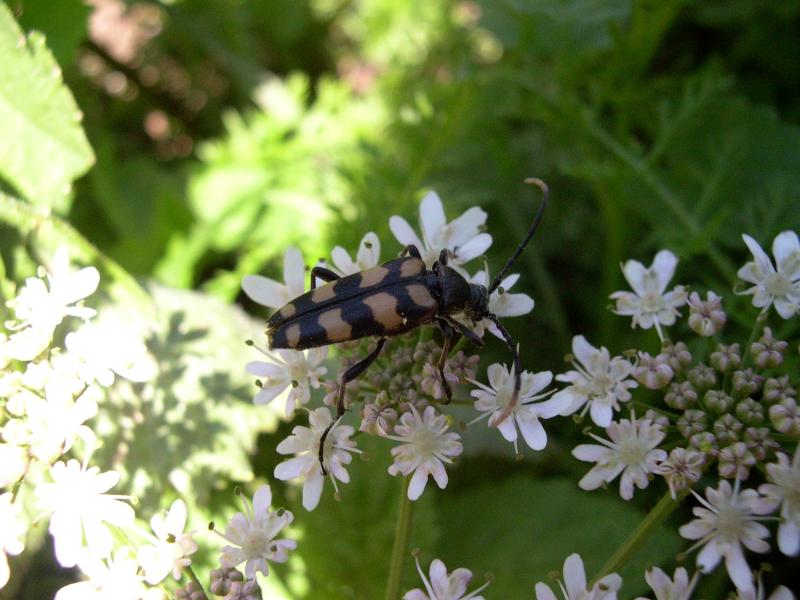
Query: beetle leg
[[326, 275], [411, 250], [449, 334], [345, 378], [512, 403], [471, 336]]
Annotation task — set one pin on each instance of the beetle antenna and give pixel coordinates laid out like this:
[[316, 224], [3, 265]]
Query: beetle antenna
[[536, 219], [517, 371]]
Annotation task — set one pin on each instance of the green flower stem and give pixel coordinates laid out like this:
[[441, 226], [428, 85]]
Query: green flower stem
[[640, 535], [193, 577], [400, 546], [758, 327]]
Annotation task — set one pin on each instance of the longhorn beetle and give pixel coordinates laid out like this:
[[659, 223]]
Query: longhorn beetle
[[390, 299]]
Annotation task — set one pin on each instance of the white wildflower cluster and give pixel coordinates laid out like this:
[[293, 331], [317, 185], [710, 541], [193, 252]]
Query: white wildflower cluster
[[731, 410], [403, 395]]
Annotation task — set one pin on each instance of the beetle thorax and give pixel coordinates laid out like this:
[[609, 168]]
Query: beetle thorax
[[478, 301]]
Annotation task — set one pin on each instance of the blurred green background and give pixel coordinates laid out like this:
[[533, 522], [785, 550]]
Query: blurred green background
[[222, 131]]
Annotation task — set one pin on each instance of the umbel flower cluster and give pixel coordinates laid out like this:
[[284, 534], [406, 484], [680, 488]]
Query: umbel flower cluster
[[50, 393], [713, 417]]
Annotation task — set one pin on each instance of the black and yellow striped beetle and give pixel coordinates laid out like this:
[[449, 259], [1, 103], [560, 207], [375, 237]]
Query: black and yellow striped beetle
[[391, 299]]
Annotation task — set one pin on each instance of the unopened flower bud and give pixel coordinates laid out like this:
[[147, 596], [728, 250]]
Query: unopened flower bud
[[191, 591], [222, 579], [244, 590], [377, 418], [706, 318], [768, 352], [691, 422], [681, 395], [653, 372], [682, 469], [785, 416], [678, 356], [760, 442], [750, 412], [718, 401], [727, 429], [702, 377], [704, 442], [659, 419], [746, 383], [735, 461], [776, 389], [726, 358]]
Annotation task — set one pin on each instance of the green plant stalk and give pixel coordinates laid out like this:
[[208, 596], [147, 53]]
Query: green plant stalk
[[640, 535], [400, 546]]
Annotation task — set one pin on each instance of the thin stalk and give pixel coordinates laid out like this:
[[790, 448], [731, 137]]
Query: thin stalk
[[758, 327], [400, 547], [640, 535]]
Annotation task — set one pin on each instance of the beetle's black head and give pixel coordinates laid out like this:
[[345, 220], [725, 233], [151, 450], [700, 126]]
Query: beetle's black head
[[478, 301]]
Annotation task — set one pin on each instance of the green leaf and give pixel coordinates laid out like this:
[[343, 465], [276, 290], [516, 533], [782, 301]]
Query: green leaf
[[42, 145], [64, 23], [522, 529]]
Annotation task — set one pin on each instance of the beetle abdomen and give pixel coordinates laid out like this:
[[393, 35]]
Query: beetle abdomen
[[388, 310]]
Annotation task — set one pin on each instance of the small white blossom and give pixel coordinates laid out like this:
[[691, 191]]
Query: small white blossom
[[304, 442], [299, 370], [681, 588], [632, 450], [40, 307], [369, 252], [442, 586], [598, 383], [172, 547], [784, 489], [426, 444], [777, 284], [270, 293], [463, 236], [779, 593], [80, 508], [13, 463], [574, 585], [527, 413], [648, 304], [12, 534], [501, 303], [116, 579], [727, 520], [253, 533]]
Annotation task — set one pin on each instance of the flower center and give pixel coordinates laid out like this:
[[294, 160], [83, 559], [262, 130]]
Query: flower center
[[425, 442], [652, 302], [778, 285], [298, 371], [631, 452], [255, 544], [602, 384], [729, 523]]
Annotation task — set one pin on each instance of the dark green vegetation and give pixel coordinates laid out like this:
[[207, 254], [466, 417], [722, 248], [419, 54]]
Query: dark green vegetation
[[227, 130]]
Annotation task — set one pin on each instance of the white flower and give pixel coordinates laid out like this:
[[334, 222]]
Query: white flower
[[80, 509], [779, 286], [56, 421], [574, 585], [298, 369], [252, 534], [369, 252], [442, 586], [725, 522], [117, 579], [648, 304], [462, 236], [598, 383], [270, 293], [526, 414], [172, 548], [633, 451], [12, 534], [784, 489], [13, 463], [501, 303], [304, 442], [779, 593], [426, 444], [667, 589], [39, 308]]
